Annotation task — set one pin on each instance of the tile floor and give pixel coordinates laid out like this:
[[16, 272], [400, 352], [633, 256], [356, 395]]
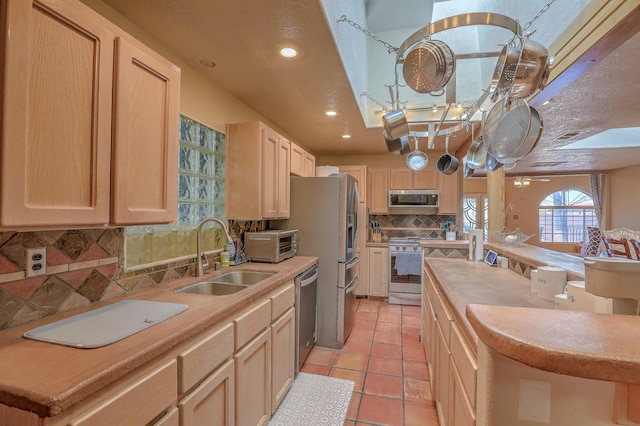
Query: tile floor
[[384, 357]]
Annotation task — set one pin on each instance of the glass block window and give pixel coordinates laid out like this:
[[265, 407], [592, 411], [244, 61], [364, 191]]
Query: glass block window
[[201, 173], [201, 170]]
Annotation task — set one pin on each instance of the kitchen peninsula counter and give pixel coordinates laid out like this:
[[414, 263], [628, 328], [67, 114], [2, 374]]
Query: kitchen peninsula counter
[[463, 283], [47, 378], [518, 342]]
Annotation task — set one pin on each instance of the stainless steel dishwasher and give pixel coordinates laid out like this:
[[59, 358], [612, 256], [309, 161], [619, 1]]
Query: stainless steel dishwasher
[[306, 285]]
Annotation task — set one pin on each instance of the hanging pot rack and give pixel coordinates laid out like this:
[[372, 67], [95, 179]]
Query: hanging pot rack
[[425, 33]]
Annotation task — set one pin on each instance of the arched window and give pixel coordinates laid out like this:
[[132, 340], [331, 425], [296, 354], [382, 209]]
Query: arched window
[[564, 216]]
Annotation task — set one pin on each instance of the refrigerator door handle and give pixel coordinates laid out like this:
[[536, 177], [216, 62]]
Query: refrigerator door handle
[[353, 263], [352, 286]]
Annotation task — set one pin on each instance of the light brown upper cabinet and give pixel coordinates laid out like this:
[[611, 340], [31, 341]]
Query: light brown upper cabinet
[[70, 78], [257, 172], [403, 178], [360, 173], [449, 201], [302, 162], [378, 191]]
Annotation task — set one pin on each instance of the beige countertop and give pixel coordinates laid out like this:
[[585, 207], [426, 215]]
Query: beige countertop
[[48, 378], [464, 283], [582, 344], [538, 256]]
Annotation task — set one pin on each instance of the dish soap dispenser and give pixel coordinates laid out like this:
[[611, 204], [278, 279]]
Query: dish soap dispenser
[[224, 258]]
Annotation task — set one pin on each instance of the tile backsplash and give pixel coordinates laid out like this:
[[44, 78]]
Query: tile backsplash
[[423, 226], [86, 266]]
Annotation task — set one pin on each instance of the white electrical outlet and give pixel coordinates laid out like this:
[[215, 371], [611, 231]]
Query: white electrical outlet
[[36, 261]]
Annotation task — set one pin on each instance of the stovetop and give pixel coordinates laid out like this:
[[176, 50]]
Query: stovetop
[[404, 240]]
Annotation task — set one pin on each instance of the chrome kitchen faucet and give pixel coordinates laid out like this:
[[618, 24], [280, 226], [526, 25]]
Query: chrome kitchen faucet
[[199, 267]]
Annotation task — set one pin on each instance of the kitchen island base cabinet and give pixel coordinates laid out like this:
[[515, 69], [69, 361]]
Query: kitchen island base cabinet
[[503, 384]]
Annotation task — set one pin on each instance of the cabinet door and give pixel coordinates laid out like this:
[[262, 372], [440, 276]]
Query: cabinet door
[[283, 172], [270, 154], [425, 179], [378, 272], [442, 367], [360, 173], [145, 143], [253, 381], [461, 413], [400, 178], [283, 357], [56, 118], [378, 188], [297, 160], [212, 402], [309, 165], [449, 194]]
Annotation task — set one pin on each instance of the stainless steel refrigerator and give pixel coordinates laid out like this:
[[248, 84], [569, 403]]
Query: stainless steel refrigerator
[[324, 210]]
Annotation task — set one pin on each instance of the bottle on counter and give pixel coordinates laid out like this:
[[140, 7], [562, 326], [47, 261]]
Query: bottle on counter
[[224, 259]]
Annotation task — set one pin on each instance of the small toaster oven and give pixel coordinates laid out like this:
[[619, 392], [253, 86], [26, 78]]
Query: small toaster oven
[[270, 246]]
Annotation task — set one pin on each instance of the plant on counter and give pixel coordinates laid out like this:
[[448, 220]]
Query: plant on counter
[[448, 226]]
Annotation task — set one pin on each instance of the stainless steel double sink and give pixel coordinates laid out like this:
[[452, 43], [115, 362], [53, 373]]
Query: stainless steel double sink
[[228, 283]]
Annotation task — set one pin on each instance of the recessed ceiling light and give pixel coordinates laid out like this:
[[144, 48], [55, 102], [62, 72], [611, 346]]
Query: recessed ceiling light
[[346, 136], [331, 112], [205, 61], [288, 52]]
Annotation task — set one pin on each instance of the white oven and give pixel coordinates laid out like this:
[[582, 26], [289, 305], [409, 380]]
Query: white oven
[[405, 271]]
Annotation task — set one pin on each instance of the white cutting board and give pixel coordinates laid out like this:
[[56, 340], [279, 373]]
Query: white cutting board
[[106, 325]]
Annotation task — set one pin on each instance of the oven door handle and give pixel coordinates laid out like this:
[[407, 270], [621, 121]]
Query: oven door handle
[[309, 280]]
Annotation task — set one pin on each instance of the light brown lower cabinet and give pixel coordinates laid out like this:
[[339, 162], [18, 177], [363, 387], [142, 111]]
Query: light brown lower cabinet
[[237, 372], [452, 364], [212, 402], [460, 411], [253, 387], [138, 403], [283, 337]]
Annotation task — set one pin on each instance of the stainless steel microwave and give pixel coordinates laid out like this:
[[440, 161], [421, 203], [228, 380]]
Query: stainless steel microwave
[[270, 246], [413, 201]]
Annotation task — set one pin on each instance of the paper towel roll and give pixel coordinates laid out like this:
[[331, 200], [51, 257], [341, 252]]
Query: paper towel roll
[[551, 280]]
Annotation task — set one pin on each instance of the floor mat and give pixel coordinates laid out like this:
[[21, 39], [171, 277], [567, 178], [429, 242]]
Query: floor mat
[[314, 400]]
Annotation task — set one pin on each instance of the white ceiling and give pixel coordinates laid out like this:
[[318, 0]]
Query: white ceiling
[[243, 37]]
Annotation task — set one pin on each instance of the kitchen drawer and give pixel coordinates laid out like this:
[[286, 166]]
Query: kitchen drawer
[[196, 362], [138, 403], [465, 361], [252, 322], [170, 419], [444, 318], [282, 300]]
